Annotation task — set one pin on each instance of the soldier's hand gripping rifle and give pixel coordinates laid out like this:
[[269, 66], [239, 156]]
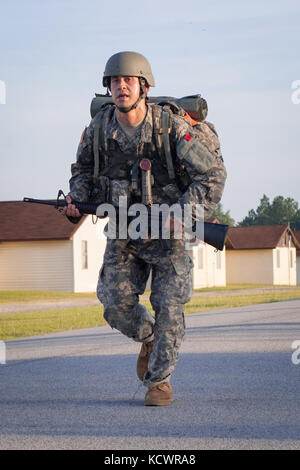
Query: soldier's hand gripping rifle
[[214, 234]]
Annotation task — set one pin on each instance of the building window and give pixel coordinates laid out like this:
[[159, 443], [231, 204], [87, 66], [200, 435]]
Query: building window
[[218, 260], [84, 254], [292, 259], [200, 257], [278, 258]]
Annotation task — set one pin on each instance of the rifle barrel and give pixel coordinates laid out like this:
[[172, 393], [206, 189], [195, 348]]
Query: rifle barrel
[[83, 207], [45, 201]]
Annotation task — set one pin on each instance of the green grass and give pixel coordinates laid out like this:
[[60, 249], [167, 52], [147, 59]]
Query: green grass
[[21, 325], [200, 304], [7, 296], [230, 287]]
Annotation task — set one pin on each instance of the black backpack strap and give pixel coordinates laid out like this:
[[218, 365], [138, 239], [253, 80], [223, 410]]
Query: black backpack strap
[[157, 130], [161, 129], [96, 151], [100, 140], [166, 143]]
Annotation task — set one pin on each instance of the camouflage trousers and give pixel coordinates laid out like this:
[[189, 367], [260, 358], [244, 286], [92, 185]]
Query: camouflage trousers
[[123, 278]]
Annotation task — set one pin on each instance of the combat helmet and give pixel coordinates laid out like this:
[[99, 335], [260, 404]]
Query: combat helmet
[[129, 64]]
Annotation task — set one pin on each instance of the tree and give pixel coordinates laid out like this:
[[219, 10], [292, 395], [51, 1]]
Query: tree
[[223, 217], [280, 212]]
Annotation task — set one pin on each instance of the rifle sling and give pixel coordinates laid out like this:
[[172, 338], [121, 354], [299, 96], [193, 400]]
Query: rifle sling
[[166, 143]]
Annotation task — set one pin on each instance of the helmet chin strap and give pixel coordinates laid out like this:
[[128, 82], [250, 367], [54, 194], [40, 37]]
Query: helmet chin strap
[[142, 95]]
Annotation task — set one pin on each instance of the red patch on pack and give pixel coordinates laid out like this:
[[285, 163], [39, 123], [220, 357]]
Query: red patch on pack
[[187, 137]]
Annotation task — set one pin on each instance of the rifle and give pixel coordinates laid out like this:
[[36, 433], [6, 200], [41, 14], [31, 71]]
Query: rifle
[[214, 234]]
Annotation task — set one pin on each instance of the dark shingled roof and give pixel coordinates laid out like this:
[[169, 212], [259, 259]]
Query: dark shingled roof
[[297, 234], [259, 237], [21, 221]]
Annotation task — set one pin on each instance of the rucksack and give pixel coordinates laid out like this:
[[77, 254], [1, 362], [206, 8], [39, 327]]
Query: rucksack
[[192, 108], [195, 106]]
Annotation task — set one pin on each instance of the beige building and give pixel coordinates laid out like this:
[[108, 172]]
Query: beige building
[[209, 266], [41, 250], [263, 254], [297, 233]]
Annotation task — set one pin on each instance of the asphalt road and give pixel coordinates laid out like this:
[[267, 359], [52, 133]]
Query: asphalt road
[[235, 387]]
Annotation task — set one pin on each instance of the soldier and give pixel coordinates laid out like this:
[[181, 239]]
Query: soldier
[[118, 138]]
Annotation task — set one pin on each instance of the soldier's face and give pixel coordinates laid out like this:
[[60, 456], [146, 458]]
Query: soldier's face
[[125, 90]]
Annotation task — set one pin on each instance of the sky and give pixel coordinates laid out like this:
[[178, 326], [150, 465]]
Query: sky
[[242, 57]]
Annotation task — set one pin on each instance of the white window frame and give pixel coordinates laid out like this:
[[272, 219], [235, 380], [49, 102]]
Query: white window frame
[[84, 254]]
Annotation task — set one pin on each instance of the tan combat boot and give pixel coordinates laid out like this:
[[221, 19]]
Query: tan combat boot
[[159, 395], [143, 359]]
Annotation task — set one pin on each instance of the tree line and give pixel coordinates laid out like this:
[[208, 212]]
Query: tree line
[[281, 211]]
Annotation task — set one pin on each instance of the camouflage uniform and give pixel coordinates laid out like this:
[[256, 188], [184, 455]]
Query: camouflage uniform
[[127, 263]]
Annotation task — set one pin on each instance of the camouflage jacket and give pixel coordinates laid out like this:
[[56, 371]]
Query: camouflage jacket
[[195, 149]]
